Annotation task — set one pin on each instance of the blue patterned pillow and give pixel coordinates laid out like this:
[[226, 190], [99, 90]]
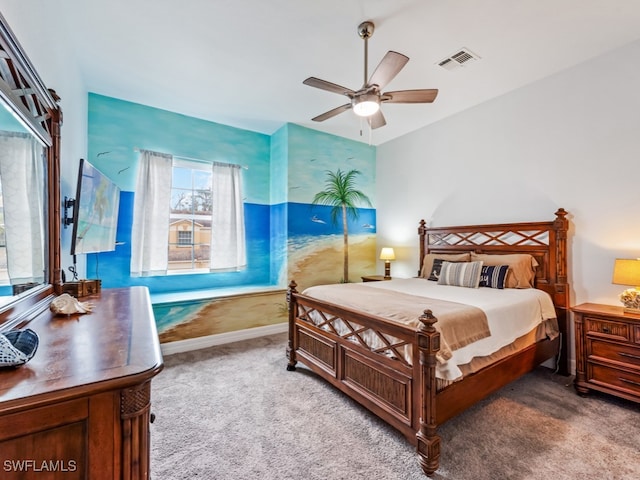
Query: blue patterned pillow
[[460, 274], [493, 276]]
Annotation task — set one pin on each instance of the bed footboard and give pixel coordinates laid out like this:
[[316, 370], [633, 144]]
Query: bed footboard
[[378, 377]]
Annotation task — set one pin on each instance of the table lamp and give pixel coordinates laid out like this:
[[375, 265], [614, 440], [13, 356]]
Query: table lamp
[[627, 272], [387, 255]]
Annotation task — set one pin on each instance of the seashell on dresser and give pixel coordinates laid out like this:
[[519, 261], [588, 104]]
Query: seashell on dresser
[[65, 304]]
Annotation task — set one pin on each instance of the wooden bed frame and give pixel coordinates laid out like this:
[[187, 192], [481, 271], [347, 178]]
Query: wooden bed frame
[[406, 395]]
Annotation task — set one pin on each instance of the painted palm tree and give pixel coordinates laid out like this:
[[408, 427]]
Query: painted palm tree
[[341, 194]]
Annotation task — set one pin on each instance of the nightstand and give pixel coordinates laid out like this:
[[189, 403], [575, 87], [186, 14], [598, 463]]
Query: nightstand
[[374, 278], [607, 350]]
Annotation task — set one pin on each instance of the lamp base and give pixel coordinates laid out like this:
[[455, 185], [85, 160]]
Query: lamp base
[[630, 298], [387, 270]]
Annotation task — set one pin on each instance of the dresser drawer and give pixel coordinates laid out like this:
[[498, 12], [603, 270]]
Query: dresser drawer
[[614, 378], [613, 330], [626, 354]]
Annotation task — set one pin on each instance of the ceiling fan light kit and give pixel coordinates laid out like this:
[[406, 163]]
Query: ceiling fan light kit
[[366, 101], [366, 105]]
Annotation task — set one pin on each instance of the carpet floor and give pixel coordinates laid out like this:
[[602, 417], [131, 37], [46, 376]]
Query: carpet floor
[[233, 412]]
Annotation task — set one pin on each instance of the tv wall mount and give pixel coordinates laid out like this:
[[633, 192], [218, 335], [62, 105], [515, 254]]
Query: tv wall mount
[[69, 203]]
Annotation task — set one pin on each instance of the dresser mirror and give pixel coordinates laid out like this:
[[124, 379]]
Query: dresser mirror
[[29, 185]]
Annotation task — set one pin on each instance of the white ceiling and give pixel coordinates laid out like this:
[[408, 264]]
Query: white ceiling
[[242, 62]]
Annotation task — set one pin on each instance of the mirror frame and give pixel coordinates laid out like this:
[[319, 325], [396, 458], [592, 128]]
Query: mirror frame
[[36, 107]]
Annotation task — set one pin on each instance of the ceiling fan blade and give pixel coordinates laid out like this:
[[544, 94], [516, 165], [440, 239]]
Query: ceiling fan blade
[[426, 95], [377, 120], [387, 69], [332, 113], [328, 86]]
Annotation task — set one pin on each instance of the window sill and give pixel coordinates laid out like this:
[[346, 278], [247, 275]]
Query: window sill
[[206, 294]]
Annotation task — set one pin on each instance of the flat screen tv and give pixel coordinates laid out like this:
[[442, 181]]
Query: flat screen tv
[[95, 213]]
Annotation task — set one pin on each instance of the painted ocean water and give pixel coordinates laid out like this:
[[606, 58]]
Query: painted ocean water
[[305, 219]]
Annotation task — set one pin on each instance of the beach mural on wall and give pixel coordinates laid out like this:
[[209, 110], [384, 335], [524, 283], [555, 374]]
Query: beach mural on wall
[[316, 235], [182, 320], [288, 236]]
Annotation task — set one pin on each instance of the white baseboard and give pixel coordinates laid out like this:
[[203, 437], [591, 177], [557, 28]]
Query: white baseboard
[[221, 338]]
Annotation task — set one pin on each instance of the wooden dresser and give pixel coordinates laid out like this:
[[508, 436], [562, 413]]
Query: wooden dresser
[[80, 409], [607, 350]]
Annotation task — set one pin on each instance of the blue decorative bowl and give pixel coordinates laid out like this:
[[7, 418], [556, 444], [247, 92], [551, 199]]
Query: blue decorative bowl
[[17, 347]]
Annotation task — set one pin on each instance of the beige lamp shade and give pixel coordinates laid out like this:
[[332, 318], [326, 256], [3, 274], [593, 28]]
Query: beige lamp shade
[[387, 253], [626, 272]]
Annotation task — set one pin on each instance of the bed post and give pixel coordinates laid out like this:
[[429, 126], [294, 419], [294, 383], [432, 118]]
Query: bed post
[[422, 232], [428, 341], [293, 308], [561, 288]]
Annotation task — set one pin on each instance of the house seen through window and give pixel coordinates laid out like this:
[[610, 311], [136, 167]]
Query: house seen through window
[[190, 216]]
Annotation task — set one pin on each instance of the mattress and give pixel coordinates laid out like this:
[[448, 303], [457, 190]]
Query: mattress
[[511, 314]]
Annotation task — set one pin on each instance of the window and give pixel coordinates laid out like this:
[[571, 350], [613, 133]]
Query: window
[[185, 237], [205, 231], [190, 217]]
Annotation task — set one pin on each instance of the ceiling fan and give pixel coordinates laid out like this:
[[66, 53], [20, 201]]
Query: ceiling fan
[[366, 101]]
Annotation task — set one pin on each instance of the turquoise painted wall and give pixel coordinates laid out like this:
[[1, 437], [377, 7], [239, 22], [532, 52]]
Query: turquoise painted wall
[[312, 153], [279, 195], [117, 128]]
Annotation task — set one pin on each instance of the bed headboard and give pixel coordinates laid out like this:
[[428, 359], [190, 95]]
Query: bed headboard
[[546, 241]]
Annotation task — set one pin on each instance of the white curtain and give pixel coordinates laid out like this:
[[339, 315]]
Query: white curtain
[[151, 208], [228, 248], [22, 174]]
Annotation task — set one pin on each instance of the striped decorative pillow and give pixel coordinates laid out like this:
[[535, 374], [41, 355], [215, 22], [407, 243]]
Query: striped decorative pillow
[[437, 266], [493, 276], [460, 274]]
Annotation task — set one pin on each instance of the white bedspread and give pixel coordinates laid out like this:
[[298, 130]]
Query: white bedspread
[[511, 313]]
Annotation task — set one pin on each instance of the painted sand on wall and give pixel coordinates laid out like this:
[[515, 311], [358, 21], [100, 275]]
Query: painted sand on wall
[[312, 261], [229, 314], [319, 260]]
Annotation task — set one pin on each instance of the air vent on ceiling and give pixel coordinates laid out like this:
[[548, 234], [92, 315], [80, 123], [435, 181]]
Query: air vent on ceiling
[[462, 57]]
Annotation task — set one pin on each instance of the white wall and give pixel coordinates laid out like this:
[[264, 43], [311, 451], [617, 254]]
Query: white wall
[[571, 140], [46, 45]]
